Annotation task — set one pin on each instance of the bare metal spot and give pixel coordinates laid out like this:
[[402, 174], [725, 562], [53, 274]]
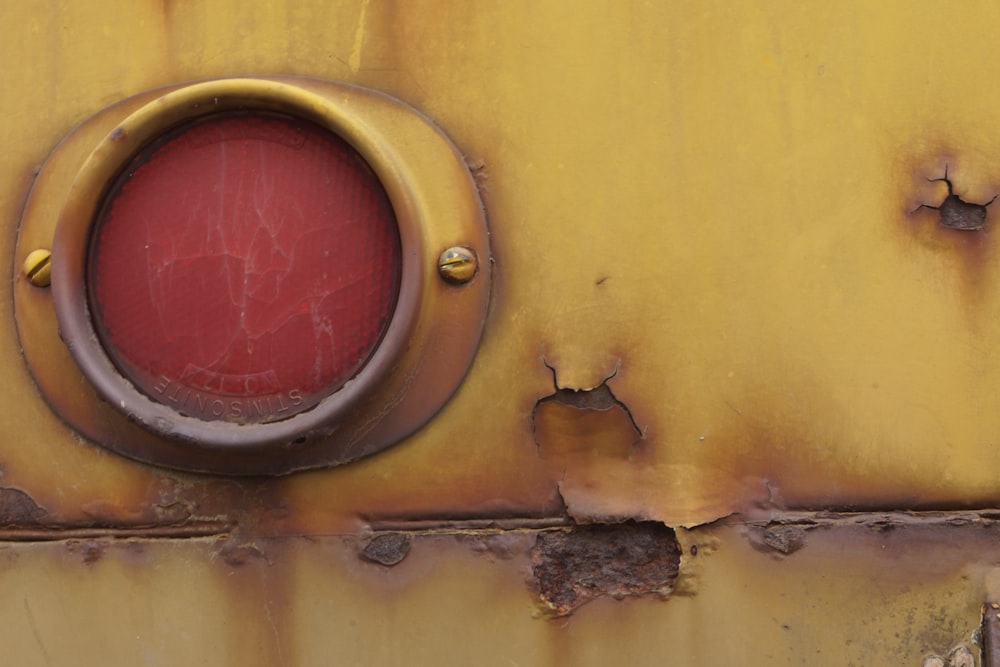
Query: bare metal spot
[[572, 567], [387, 549]]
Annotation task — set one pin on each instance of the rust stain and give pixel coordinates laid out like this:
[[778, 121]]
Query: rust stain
[[572, 567], [954, 228], [89, 551], [932, 533], [480, 174], [168, 509], [956, 213], [261, 575]]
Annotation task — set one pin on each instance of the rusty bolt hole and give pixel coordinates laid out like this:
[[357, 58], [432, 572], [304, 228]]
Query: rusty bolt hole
[[956, 213], [778, 538], [572, 567], [387, 549]]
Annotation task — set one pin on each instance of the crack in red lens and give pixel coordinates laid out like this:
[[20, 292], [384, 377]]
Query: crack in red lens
[[244, 268]]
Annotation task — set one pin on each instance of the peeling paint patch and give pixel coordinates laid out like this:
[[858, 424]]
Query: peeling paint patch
[[595, 451], [572, 567], [956, 213], [584, 420]]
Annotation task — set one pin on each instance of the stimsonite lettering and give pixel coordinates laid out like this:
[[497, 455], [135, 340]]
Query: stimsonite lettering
[[226, 408]]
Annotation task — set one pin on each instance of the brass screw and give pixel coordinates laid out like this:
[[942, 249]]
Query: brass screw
[[38, 267], [458, 265]]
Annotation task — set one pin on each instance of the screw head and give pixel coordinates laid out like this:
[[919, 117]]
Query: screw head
[[458, 265], [38, 267]]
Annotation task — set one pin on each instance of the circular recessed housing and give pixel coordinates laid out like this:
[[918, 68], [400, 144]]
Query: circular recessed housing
[[245, 273]]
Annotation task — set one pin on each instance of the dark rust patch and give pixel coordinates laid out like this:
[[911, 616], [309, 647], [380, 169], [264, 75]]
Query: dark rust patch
[[956, 213], [572, 567], [387, 549], [17, 508]]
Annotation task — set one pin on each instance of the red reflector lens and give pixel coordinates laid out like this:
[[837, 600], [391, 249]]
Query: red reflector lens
[[244, 268]]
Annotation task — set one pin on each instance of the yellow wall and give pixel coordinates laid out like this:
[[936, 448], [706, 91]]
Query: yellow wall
[[709, 201]]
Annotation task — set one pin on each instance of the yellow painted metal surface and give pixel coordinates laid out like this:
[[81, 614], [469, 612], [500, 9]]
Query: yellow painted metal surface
[[708, 205], [846, 599]]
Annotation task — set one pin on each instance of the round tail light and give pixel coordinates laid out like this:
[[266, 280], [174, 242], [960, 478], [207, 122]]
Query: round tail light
[[254, 276], [243, 267]]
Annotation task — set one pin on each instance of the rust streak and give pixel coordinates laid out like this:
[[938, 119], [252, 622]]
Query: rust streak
[[34, 631]]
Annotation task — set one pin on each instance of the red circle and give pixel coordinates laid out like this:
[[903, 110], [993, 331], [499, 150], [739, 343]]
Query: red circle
[[243, 268]]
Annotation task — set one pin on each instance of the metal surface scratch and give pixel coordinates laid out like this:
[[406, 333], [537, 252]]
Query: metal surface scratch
[[34, 631], [354, 62]]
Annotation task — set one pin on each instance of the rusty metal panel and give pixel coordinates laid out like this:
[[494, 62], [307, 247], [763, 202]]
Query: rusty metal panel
[[716, 295], [851, 595]]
